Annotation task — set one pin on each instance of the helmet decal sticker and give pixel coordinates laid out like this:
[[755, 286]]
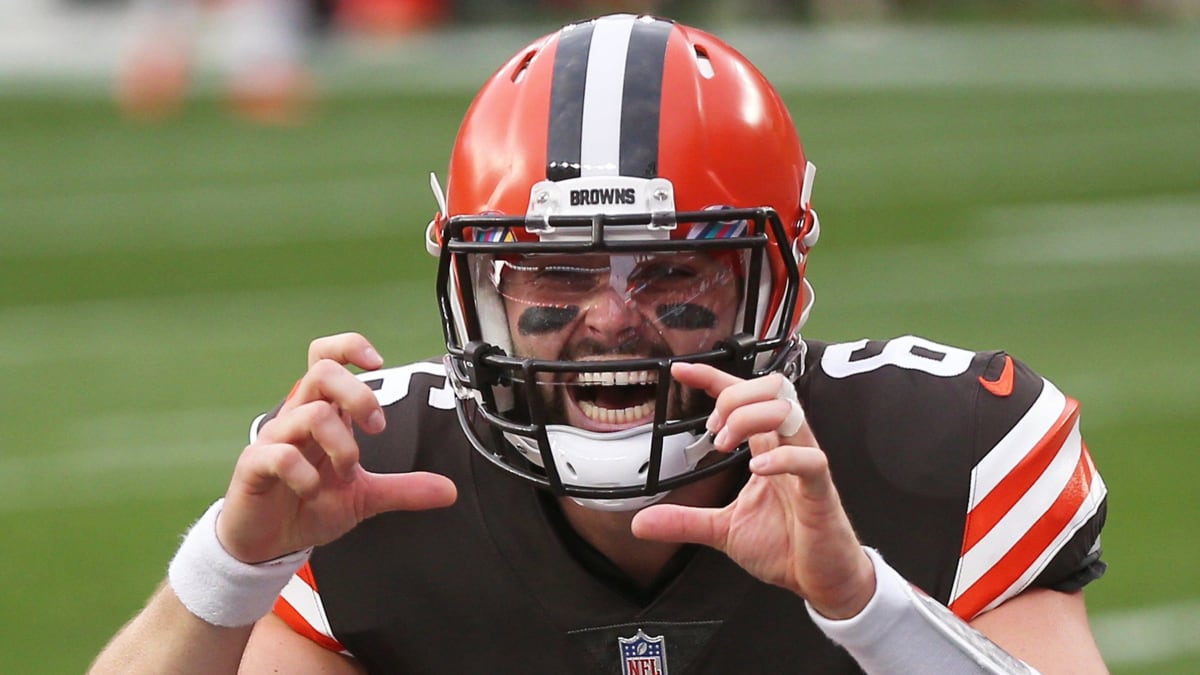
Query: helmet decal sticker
[[721, 229], [494, 234]]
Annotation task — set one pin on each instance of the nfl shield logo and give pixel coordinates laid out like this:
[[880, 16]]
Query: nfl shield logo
[[643, 655]]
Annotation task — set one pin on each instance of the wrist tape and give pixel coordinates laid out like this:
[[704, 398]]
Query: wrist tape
[[903, 630], [220, 589]]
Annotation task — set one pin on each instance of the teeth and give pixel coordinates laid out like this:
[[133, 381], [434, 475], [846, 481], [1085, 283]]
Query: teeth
[[619, 378], [622, 416], [609, 379]]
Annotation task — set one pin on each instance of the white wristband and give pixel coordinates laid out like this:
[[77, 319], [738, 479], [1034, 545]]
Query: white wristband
[[221, 589], [902, 630]]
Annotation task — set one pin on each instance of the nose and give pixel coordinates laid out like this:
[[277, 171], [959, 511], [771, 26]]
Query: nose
[[610, 317]]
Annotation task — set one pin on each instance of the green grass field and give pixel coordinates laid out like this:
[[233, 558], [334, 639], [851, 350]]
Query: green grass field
[[159, 284]]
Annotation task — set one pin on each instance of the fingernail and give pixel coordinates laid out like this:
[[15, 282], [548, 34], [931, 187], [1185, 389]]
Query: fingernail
[[375, 422], [722, 436], [373, 356], [714, 422], [758, 463]]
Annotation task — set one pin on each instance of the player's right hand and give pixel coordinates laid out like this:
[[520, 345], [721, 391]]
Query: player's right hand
[[787, 525], [299, 484]]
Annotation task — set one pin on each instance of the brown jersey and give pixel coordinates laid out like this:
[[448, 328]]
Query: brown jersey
[[966, 470]]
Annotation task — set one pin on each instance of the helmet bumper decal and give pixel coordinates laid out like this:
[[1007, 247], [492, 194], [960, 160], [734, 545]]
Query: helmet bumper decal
[[614, 194]]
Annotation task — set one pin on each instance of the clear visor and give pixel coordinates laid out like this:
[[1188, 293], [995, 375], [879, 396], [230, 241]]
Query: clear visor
[[596, 309], [689, 291]]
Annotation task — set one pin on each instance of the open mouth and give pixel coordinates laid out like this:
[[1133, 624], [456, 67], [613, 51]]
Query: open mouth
[[616, 399]]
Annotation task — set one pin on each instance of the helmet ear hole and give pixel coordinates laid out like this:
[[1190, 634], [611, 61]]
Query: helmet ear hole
[[643, 468], [703, 63], [518, 73], [571, 470]]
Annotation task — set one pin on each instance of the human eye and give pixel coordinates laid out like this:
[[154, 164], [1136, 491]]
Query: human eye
[[551, 280], [664, 275]]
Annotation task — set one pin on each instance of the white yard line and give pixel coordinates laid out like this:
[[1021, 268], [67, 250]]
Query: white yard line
[[57, 223], [115, 474], [116, 457], [1148, 635], [1122, 232], [42, 335]]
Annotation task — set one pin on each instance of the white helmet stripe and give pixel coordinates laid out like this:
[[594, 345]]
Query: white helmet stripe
[[604, 120], [598, 154]]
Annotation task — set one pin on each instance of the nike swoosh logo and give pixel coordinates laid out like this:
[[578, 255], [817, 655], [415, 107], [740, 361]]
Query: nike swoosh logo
[[1003, 385]]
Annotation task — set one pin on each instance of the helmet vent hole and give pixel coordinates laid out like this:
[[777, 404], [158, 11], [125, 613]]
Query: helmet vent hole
[[704, 63], [519, 71], [643, 468], [571, 469]]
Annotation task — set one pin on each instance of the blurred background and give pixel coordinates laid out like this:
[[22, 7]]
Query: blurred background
[[189, 193]]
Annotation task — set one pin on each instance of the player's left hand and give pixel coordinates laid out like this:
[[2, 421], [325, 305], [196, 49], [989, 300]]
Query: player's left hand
[[787, 525]]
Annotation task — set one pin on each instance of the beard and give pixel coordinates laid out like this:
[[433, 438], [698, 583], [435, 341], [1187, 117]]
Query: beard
[[552, 389]]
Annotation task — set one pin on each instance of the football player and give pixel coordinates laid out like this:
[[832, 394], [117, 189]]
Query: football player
[[259, 51], [629, 461]]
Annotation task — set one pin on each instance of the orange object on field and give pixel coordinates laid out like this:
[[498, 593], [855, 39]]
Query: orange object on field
[[153, 81], [390, 17]]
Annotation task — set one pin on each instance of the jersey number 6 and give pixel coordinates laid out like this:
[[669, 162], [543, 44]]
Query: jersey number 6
[[908, 351]]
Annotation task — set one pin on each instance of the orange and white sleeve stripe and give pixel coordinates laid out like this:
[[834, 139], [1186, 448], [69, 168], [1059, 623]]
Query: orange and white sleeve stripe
[[1029, 495], [299, 605]]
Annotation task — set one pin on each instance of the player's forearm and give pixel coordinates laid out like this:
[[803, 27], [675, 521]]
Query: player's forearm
[[1046, 628], [902, 630], [166, 638]]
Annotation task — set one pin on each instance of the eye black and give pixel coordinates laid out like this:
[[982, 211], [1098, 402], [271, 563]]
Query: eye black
[[543, 320], [686, 316]]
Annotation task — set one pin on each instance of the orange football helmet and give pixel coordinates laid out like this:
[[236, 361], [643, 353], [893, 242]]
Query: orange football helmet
[[618, 158]]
